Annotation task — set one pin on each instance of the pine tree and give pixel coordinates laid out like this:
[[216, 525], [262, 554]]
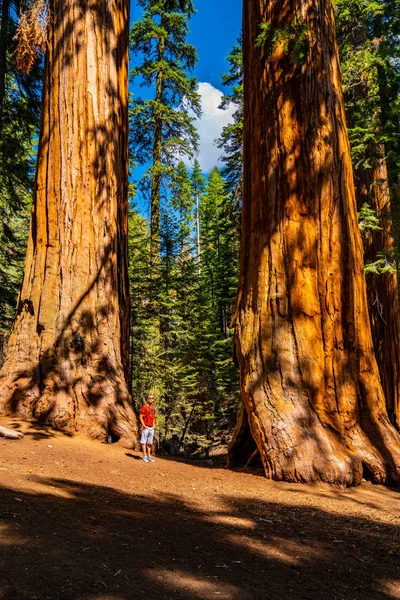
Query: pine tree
[[369, 53], [198, 183], [162, 128], [19, 121], [369, 50], [187, 360], [177, 324], [219, 241], [144, 330], [231, 140]]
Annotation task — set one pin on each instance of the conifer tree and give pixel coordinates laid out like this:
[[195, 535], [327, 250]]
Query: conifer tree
[[177, 305], [144, 330], [219, 240], [198, 183], [369, 51], [162, 127], [187, 360], [19, 120], [231, 140]]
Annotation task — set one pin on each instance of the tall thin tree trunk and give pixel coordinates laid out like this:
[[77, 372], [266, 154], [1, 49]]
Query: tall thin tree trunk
[[5, 19], [156, 175], [309, 378], [69, 349], [372, 186], [198, 233]]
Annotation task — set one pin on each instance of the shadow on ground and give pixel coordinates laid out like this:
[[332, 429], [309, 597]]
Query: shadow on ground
[[85, 542], [36, 431]]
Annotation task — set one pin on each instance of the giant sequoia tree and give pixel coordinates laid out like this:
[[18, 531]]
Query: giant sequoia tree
[[309, 378], [69, 344]]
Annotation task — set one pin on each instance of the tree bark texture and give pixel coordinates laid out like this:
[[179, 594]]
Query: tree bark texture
[[372, 186], [309, 378], [68, 352]]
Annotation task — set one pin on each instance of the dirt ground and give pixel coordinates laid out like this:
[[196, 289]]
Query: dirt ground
[[85, 521]]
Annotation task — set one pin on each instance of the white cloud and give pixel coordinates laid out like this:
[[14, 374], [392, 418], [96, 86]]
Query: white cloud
[[210, 125]]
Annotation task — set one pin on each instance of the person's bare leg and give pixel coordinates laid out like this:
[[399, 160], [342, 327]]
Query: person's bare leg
[[144, 447], [149, 449]]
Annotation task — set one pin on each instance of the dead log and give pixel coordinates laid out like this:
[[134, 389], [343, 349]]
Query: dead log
[[10, 433]]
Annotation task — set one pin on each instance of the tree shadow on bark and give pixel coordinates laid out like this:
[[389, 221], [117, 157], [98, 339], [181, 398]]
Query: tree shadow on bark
[[76, 368], [76, 540], [308, 374], [68, 360]]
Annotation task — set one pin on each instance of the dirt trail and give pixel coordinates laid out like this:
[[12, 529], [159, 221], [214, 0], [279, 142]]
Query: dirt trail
[[84, 521]]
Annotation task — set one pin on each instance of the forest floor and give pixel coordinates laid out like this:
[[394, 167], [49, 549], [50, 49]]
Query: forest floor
[[85, 521]]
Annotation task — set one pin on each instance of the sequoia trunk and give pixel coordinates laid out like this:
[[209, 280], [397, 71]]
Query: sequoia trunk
[[68, 349], [372, 186], [309, 378]]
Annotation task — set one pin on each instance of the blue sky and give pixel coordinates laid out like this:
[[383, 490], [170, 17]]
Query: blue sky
[[213, 31]]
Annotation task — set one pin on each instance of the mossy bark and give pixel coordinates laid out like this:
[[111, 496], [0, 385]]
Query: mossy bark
[[68, 352], [309, 378]]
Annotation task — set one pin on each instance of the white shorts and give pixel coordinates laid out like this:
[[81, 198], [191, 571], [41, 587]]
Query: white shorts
[[147, 436]]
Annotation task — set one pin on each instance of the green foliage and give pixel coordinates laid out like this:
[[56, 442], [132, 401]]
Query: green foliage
[[383, 264], [264, 38], [198, 180], [217, 297], [182, 306], [184, 353], [368, 34], [367, 219], [385, 261], [162, 127], [231, 140], [144, 332], [198, 185], [19, 120], [293, 37]]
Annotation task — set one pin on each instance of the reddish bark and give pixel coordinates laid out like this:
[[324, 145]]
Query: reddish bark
[[69, 345], [309, 378], [372, 186]]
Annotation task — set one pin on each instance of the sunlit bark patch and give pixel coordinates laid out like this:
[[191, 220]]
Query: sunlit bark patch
[[68, 352], [309, 378]]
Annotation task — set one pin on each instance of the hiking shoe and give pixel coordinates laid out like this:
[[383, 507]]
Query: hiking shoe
[[145, 459], [150, 459]]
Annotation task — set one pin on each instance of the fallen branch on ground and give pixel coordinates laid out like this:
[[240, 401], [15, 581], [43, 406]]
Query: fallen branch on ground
[[10, 433]]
